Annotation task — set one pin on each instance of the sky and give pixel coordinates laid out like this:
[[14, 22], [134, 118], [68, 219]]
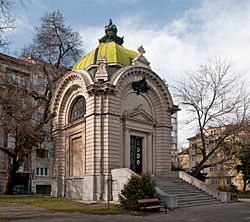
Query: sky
[[177, 35]]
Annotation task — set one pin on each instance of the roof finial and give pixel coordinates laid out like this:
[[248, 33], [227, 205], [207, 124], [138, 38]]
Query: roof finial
[[110, 23], [140, 60], [141, 50], [111, 34]]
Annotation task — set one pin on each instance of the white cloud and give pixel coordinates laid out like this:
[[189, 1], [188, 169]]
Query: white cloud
[[216, 28], [24, 31], [90, 36], [25, 23]]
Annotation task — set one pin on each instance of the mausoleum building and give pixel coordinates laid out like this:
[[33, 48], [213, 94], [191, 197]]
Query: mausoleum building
[[112, 111]]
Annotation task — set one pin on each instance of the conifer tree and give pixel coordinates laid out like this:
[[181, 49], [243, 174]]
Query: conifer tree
[[137, 187]]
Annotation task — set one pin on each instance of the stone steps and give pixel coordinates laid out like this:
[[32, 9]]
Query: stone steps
[[187, 194], [194, 198], [191, 204]]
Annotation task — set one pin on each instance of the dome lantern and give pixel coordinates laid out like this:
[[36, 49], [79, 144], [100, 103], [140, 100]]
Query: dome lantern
[[110, 46], [111, 34]]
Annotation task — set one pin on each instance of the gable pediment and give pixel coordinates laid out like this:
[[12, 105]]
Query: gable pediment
[[139, 115]]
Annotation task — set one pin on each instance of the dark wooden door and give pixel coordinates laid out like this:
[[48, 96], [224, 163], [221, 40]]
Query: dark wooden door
[[136, 154]]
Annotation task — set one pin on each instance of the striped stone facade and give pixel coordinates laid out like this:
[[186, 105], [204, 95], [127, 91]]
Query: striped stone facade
[[86, 150]]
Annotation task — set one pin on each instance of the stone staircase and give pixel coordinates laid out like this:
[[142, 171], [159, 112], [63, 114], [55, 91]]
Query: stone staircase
[[188, 195]]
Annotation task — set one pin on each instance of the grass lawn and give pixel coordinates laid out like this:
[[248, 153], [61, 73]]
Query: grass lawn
[[60, 204]]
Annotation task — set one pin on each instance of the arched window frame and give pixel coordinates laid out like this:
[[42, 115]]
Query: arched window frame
[[78, 109]]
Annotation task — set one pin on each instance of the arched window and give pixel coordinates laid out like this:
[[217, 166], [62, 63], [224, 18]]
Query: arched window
[[78, 109]]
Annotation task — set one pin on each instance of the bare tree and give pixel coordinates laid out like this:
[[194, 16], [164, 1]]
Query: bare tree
[[215, 97], [21, 130], [54, 46], [6, 20], [54, 42], [58, 46]]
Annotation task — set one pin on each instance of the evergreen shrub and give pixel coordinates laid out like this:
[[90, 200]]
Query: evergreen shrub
[[137, 187]]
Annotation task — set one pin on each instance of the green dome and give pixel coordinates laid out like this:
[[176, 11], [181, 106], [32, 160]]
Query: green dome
[[114, 53], [111, 47]]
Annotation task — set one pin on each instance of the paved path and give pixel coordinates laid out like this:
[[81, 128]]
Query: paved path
[[232, 212]]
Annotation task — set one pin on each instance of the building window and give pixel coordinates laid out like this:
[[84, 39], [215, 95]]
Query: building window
[[42, 153], [42, 171], [229, 180], [43, 189], [174, 146], [194, 146], [213, 133], [37, 171], [41, 81], [173, 120], [9, 142], [222, 167], [78, 109], [214, 180], [213, 143], [174, 159], [212, 169], [173, 133], [18, 79], [193, 158]]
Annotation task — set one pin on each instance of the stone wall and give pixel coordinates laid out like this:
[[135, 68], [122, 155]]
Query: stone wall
[[114, 114]]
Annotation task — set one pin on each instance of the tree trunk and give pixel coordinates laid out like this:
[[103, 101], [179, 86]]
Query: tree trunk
[[10, 178], [196, 172], [197, 169], [9, 182], [244, 185]]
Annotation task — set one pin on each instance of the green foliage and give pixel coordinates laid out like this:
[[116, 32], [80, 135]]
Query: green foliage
[[243, 154], [138, 187], [231, 189]]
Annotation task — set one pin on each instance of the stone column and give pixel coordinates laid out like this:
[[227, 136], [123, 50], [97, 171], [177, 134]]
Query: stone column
[[150, 153], [58, 176], [126, 148]]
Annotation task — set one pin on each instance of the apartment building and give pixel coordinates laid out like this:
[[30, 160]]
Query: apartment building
[[34, 176], [221, 174]]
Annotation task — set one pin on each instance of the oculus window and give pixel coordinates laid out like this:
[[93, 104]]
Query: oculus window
[[78, 109]]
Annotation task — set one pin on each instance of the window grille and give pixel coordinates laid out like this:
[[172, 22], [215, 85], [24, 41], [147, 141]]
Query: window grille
[[78, 109]]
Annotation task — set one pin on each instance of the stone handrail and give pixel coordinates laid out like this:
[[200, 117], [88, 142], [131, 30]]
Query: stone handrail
[[223, 196], [169, 199], [121, 176]]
